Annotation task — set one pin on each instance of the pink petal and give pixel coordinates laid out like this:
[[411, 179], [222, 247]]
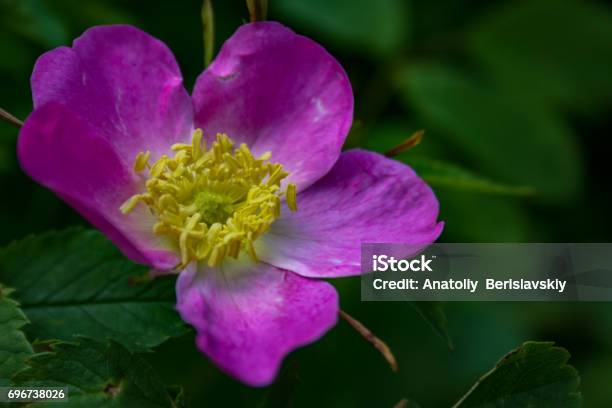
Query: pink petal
[[124, 83], [366, 197], [249, 316], [278, 91], [66, 154]]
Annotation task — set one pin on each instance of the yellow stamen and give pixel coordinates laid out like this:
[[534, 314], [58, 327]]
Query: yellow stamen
[[130, 204], [291, 197], [212, 203], [142, 160]]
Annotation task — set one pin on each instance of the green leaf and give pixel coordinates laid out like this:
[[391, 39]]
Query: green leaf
[[93, 12], [502, 137], [470, 217], [548, 51], [534, 375], [438, 173], [33, 20], [359, 25], [14, 347], [433, 313], [96, 374], [77, 282]]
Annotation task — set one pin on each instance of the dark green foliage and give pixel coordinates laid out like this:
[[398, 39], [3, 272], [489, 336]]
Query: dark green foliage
[[76, 282], [534, 375], [97, 375], [560, 56], [513, 141], [515, 98], [361, 26], [433, 313], [14, 347]]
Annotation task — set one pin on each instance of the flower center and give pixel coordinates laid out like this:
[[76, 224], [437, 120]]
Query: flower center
[[212, 202]]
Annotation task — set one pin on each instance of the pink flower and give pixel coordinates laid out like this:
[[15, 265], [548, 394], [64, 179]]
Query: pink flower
[[113, 128]]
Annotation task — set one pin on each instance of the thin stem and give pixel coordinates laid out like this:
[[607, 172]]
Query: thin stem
[[208, 31], [407, 144], [369, 336], [4, 115], [258, 9]]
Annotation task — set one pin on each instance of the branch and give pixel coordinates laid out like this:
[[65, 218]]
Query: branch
[[369, 336], [4, 115]]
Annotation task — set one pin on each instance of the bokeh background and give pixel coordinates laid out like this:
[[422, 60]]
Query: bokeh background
[[515, 97]]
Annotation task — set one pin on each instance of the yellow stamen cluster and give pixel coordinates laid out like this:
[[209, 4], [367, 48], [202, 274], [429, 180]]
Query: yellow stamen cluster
[[212, 202]]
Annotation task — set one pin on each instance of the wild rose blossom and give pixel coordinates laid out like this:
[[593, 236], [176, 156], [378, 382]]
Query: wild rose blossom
[[242, 188]]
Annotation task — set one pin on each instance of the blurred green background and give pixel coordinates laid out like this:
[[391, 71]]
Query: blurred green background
[[515, 98]]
